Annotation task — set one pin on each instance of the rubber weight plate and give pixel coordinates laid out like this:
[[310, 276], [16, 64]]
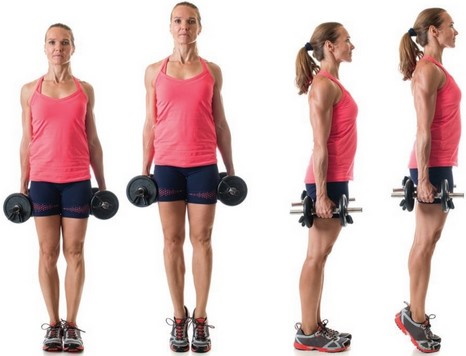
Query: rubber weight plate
[[104, 205], [232, 190], [141, 191], [17, 208]]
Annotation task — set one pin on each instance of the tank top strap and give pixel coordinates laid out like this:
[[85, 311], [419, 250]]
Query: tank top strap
[[333, 79], [77, 82], [205, 67], [163, 69], [38, 87], [437, 63]]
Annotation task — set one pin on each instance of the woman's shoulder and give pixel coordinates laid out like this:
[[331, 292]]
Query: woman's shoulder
[[428, 72], [28, 88], [155, 67], [325, 84]]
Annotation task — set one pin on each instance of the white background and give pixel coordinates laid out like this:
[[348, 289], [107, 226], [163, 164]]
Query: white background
[[258, 246]]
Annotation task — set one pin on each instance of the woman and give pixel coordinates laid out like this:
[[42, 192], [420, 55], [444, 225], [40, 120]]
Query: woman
[[58, 145], [437, 103], [185, 122], [333, 118]]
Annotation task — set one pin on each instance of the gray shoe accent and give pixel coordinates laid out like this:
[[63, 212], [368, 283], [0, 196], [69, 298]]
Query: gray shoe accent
[[323, 324], [179, 341], [321, 340], [72, 337], [53, 340], [420, 333], [201, 336]]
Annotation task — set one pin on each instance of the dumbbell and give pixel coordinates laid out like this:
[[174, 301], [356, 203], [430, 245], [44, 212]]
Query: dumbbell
[[18, 207], [408, 193], [232, 190], [308, 210], [104, 204], [142, 190]]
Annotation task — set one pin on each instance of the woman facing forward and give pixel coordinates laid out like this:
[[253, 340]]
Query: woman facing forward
[[58, 146], [185, 123]]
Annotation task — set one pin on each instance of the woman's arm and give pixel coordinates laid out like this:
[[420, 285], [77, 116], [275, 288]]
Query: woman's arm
[[95, 148], [149, 124], [221, 125], [26, 92], [426, 81], [322, 96]]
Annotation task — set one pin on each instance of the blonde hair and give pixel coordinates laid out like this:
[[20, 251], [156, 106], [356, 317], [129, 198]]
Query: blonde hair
[[306, 67], [410, 53], [188, 4]]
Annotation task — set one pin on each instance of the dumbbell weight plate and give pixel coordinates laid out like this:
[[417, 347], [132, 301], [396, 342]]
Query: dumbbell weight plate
[[141, 191], [232, 190], [444, 194], [342, 208], [308, 208], [104, 205], [408, 190], [17, 208]]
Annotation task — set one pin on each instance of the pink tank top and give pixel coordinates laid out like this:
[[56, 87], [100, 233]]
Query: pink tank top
[[59, 151], [185, 134], [446, 125], [342, 141]]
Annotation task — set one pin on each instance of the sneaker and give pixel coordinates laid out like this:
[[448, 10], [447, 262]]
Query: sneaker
[[420, 333], [53, 337], [72, 341], [179, 341], [322, 340], [323, 325], [201, 338]]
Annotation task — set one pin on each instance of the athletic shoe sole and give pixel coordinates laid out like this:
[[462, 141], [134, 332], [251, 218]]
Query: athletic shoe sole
[[179, 349], [302, 347], [200, 350], [400, 325], [52, 349]]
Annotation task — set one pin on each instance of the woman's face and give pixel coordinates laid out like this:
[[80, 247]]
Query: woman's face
[[446, 32], [184, 25], [58, 46], [343, 48]]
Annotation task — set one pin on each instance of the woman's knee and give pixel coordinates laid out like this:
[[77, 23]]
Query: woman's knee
[[201, 238], [74, 254], [49, 257], [173, 241]]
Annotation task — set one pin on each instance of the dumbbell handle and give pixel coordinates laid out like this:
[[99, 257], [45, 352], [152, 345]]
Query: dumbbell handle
[[399, 193], [301, 203], [402, 189], [336, 211]]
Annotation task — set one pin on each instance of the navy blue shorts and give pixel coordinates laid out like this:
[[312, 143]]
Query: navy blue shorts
[[436, 176], [196, 185], [70, 200], [334, 191]]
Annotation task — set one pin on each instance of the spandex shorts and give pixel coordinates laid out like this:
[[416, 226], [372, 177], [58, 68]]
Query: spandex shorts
[[334, 191], [436, 176], [70, 200], [196, 185]]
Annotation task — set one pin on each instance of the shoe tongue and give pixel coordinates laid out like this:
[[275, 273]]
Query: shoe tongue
[[201, 320]]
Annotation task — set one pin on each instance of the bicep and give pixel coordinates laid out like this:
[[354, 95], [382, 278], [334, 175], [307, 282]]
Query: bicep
[[321, 111], [149, 83], [425, 86], [218, 110], [26, 112], [90, 121]]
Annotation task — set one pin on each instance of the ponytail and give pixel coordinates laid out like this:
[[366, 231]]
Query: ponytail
[[306, 69]]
